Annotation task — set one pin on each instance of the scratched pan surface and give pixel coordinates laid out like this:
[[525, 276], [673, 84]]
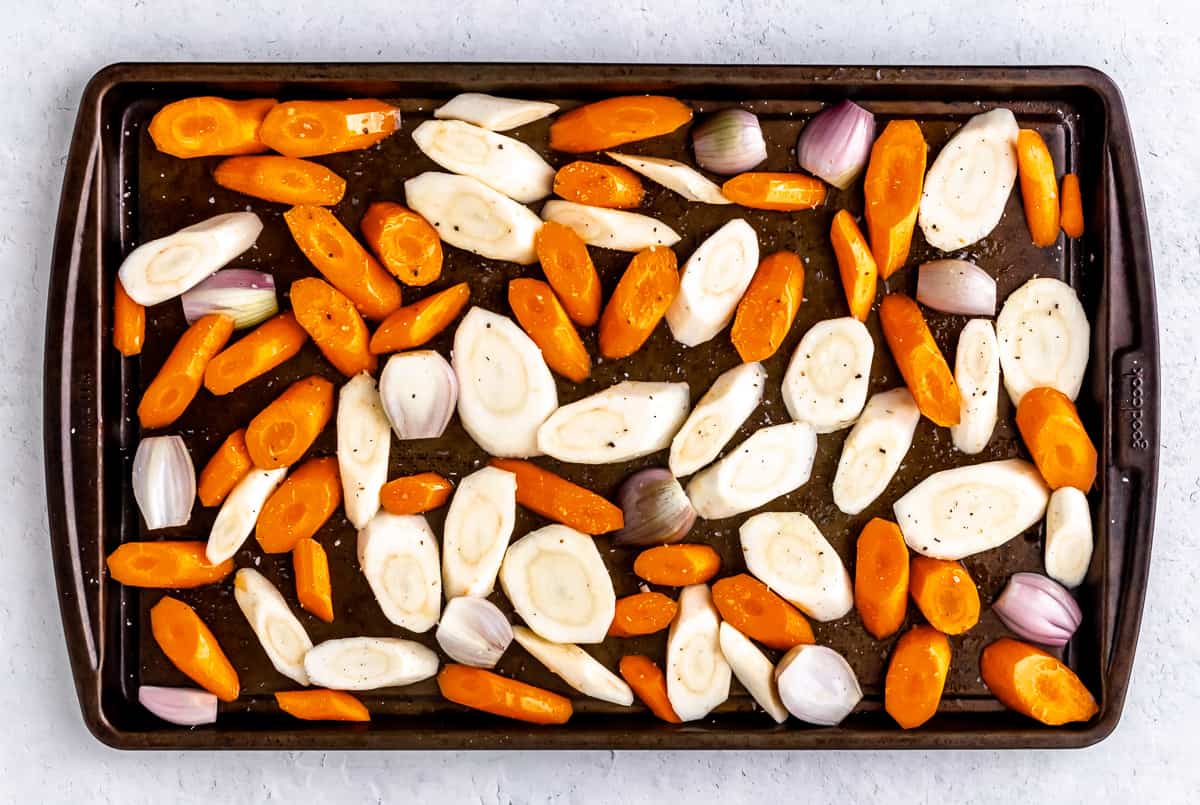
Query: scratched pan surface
[[120, 191]]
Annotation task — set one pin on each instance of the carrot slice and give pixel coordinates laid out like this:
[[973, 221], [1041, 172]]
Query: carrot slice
[[945, 594], [300, 506], [556, 498], [192, 648], [920, 361], [616, 121], [640, 300], [642, 614], [650, 685], [539, 313], [404, 242], [599, 185], [313, 128], [1039, 188], [755, 611], [414, 494], [417, 324], [330, 318], [916, 676], [892, 187], [498, 695], [285, 429], [775, 191], [322, 705], [209, 127], [343, 261], [677, 565], [768, 308], [285, 180], [1072, 206], [881, 578], [855, 264], [313, 587], [569, 270], [228, 465], [1056, 438], [1034, 683], [273, 342], [129, 322], [177, 382], [170, 564]]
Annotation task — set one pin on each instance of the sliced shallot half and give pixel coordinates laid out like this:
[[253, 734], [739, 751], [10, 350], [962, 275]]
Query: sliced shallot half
[[419, 391]]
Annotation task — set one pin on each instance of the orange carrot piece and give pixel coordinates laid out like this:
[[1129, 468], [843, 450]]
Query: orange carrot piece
[[313, 587], [945, 593], [300, 506], [343, 261], [1072, 206], [920, 361], [192, 648], [775, 191], [542, 316], [556, 498], [228, 465], [331, 319], [599, 185], [281, 433], [129, 322], [1060, 446], [640, 300], [209, 127], [1034, 683], [650, 685], [569, 270], [414, 494], [313, 128], [755, 611], [322, 705], [881, 578], [169, 564], [916, 676], [501, 696], [616, 121], [404, 242], [642, 614], [177, 382], [417, 324], [273, 342], [855, 264], [768, 308], [1039, 188], [677, 565], [894, 181], [285, 180]]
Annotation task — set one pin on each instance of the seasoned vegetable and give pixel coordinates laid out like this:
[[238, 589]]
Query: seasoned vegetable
[[723, 409], [367, 663], [474, 631], [881, 578], [492, 693], [623, 422], [472, 216], [404, 242], [893, 186], [874, 449], [191, 648], [541, 315], [655, 509], [835, 144], [1039, 187], [749, 606], [1038, 609], [977, 373], [164, 481], [165, 565], [916, 676], [919, 360], [598, 185], [284, 430], [506, 165], [1072, 207], [284, 180], [321, 705], [129, 322], [178, 380], [575, 667], [1044, 338], [673, 175], [364, 441], [313, 587], [478, 527], [238, 514], [248, 297], [227, 466], [775, 460], [956, 286], [789, 554], [647, 681], [642, 614], [271, 344], [610, 229], [768, 307], [416, 324], [183, 706], [786, 192], [569, 270], [712, 282], [1032, 682], [1068, 536], [208, 126], [556, 498], [753, 670], [945, 593], [414, 494], [730, 141], [398, 555], [493, 113], [616, 121], [641, 299], [314, 128], [1055, 436], [300, 506], [827, 377], [698, 675], [677, 565], [855, 264], [282, 636], [817, 685]]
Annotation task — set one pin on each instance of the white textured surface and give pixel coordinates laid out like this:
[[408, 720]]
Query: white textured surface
[[50, 49]]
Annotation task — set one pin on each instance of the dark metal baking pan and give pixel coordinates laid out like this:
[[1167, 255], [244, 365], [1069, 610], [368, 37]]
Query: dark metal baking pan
[[119, 191]]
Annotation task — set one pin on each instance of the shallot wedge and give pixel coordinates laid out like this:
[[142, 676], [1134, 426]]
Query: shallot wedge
[[418, 391]]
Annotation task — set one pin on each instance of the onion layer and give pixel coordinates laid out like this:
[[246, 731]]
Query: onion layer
[[836, 143], [474, 631], [729, 142], [656, 509], [1038, 608], [186, 707], [956, 286], [246, 296], [164, 481]]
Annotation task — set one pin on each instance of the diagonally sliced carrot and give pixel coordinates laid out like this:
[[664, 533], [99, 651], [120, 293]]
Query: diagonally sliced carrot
[[167, 564], [313, 128], [501, 696], [894, 181], [920, 361], [945, 593], [208, 126], [599, 185], [1072, 206], [300, 506], [129, 322], [416, 324], [556, 498], [284, 180], [775, 191], [178, 380], [221, 474], [285, 429], [343, 261], [322, 705], [569, 270], [769, 306], [1039, 188], [881, 578], [642, 614], [1060, 445], [677, 565], [269, 345], [404, 242], [335, 326], [916, 676], [1032, 682], [755, 611], [189, 644], [414, 494], [640, 301], [541, 316], [616, 121], [649, 684], [313, 587], [855, 264]]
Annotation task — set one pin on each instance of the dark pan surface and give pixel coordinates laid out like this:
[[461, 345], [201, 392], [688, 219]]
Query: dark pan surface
[[143, 194]]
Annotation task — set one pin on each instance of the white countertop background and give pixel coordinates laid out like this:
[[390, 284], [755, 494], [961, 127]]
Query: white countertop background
[[51, 48]]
